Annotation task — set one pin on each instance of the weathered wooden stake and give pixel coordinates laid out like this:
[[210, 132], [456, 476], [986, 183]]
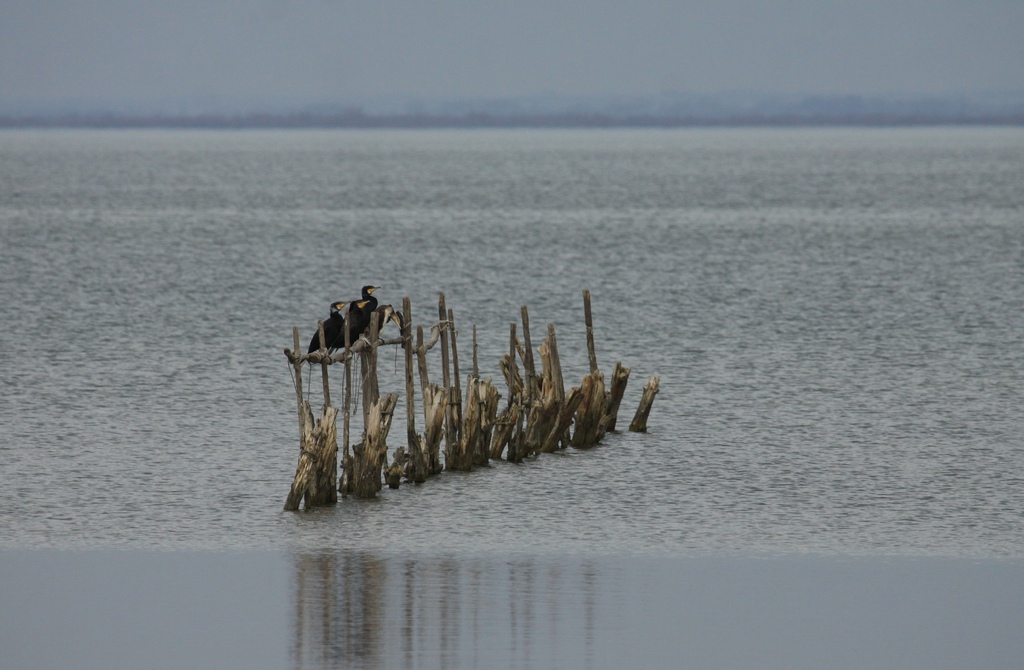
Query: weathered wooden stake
[[324, 364], [555, 437], [588, 431], [476, 366], [421, 360], [319, 446], [489, 398], [639, 423], [449, 423], [298, 387], [368, 456], [436, 402], [529, 370], [620, 376], [345, 481], [456, 396], [416, 465], [590, 331]]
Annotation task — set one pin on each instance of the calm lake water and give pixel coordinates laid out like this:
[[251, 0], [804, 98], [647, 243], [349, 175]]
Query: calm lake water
[[837, 318]]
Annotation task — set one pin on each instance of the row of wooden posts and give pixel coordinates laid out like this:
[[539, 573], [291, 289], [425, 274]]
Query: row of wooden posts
[[539, 415]]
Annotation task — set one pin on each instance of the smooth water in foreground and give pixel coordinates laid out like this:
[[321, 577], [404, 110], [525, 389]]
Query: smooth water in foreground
[[833, 477]]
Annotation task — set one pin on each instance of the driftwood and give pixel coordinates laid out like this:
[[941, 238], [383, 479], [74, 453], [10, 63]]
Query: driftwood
[[639, 423]]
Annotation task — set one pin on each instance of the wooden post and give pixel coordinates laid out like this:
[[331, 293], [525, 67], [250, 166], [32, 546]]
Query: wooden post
[[561, 427], [324, 363], [639, 423], [345, 481], [590, 331], [476, 366], [368, 361], [415, 467], [489, 398], [298, 385], [530, 370], [457, 395], [435, 401], [369, 454], [449, 433], [620, 376], [556, 364], [587, 430], [515, 398], [421, 360]]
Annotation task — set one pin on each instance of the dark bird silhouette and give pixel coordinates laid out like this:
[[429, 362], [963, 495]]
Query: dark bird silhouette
[[359, 312], [334, 329]]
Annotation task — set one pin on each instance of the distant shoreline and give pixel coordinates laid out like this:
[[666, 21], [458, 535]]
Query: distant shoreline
[[486, 120]]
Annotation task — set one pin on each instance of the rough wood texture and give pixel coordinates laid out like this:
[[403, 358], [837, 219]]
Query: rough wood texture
[[461, 456], [449, 422], [455, 395], [591, 351], [530, 370], [368, 456], [544, 412], [394, 472], [489, 398], [416, 463], [504, 426], [319, 447], [537, 418], [639, 423], [620, 376], [435, 401], [588, 430], [555, 437]]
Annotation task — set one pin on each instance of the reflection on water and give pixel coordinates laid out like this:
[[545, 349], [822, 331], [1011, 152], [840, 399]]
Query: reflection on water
[[366, 610], [356, 610]]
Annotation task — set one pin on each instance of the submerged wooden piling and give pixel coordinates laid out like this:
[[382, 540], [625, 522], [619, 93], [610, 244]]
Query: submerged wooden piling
[[416, 463], [639, 423], [620, 376], [539, 417]]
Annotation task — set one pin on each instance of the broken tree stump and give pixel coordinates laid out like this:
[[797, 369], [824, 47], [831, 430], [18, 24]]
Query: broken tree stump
[[435, 402], [588, 431], [368, 456], [312, 475], [620, 376], [416, 463], [639, 423]]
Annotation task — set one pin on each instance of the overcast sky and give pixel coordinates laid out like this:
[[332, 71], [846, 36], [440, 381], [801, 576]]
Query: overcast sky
[[353, 50]]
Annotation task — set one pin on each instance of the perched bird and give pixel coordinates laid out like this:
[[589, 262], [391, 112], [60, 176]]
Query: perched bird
[[359, 313], [388, 313], [334, 329]]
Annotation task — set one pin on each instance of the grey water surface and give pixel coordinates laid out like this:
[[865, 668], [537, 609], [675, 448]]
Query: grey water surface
[[836, 315]]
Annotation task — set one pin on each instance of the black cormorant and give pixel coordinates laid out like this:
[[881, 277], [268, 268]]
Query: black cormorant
[[334, 329]]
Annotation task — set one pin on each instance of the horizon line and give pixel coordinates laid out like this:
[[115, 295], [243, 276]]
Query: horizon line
[[480, 119]]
